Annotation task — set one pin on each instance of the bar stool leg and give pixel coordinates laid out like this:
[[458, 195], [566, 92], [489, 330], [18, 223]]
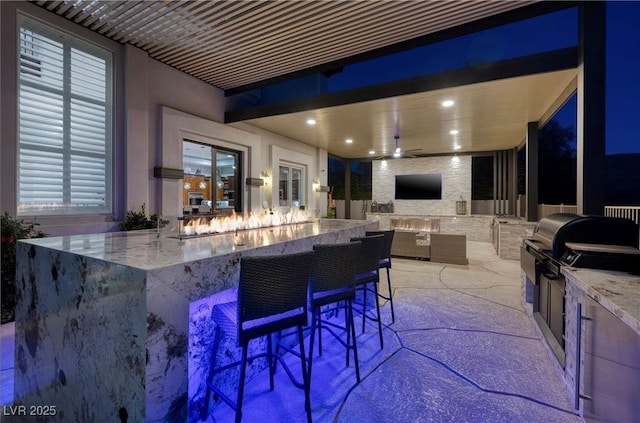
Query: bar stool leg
[[364, 305], [204, 407], [305, 376], [272, 364], [243, 370], [347, 329], [311, 341], [393, 315], [375, 291], [355, 344]]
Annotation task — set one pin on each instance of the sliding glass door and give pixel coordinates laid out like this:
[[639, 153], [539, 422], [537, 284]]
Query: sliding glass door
[[212, 178]]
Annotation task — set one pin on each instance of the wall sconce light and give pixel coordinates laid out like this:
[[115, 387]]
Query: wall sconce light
[[187, 185], [202, 185], [316, 185], [265, 175]]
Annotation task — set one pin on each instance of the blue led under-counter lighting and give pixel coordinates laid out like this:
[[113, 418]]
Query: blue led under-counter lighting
[[144, 300]]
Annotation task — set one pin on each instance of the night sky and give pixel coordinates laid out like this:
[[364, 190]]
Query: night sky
[[554, 31]]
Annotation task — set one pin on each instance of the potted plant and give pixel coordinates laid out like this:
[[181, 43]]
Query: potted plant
[[12, 230], [135, 220]]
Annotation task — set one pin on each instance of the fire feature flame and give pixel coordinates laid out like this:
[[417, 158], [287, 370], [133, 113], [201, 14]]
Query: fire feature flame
[[236, 222]]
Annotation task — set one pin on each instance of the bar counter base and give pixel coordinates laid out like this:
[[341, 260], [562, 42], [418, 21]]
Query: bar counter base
[[119, 324]]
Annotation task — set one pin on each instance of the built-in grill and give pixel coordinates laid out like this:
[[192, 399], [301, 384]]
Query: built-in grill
[[564, 239]]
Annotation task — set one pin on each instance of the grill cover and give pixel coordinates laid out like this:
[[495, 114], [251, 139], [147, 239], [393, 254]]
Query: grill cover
[[556, 230]]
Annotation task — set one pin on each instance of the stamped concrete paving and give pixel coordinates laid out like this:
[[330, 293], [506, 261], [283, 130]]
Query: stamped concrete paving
[[462, 349]]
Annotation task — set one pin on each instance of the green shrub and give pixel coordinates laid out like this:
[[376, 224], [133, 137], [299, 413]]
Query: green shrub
[[12, 230], [135, 220]]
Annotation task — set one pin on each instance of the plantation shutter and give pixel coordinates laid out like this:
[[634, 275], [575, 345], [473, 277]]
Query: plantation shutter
[[64, 131]]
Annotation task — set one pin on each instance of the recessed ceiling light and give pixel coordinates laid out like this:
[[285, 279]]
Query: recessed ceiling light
[[454, 132], [456, 147], [447, 103], [348, 140], [311, 121], [372, 152]]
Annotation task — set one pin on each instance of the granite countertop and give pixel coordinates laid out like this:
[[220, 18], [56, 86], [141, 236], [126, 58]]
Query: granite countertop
[[146, 250], [512, 220], [618, 292]]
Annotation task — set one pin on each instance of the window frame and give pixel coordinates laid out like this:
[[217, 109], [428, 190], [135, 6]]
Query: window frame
[[286, 191], [72, 42]]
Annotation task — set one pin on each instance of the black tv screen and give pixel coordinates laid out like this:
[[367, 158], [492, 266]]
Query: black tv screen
[[426, 186]]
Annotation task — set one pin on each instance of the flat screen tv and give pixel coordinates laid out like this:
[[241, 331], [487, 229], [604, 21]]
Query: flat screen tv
[[425, 186]]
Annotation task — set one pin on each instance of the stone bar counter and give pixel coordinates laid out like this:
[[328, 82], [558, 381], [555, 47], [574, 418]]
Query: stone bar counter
[[118, 324]]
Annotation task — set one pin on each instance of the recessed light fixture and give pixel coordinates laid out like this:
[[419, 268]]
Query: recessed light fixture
[[348, 140], [372, 152], [447, 103], [456, 147], [454, 132], [311, 121]]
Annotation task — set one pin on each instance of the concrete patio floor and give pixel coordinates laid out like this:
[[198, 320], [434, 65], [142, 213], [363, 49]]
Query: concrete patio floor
[[462, 349]]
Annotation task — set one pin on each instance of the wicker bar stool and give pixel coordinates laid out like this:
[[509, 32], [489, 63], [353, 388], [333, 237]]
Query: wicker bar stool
[[385, 263], [272, 296], [331, 288], [367, 276]]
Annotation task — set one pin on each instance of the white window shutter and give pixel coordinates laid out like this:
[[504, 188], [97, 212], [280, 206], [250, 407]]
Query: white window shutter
[[65, 120]]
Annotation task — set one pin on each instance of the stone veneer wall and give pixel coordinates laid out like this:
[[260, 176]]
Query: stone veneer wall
[[456, 183], [508, 236]]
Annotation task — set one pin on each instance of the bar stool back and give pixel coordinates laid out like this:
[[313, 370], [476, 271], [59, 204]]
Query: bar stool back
[[272, 296], [332, 283], [385, 263], [367, 265]]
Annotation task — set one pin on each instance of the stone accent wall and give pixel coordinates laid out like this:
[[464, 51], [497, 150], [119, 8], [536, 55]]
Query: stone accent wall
[[456, 183], [509, 236]]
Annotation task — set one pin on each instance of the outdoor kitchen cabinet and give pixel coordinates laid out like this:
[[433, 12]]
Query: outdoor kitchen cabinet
[[611, 367]]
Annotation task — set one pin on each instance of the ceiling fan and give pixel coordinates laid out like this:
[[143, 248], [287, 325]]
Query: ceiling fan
[[399, 152]]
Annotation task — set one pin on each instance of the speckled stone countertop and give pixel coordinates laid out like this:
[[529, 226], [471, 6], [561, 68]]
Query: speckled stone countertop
[[121, 322], [147, 250], [618, 292]]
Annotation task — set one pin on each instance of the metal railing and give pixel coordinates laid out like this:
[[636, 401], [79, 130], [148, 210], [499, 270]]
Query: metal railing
[[628, 212], [545, 210]]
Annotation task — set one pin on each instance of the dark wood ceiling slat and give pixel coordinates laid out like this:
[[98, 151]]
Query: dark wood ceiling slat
[[202, 24], [212, 52], [231, 43], [142, 15], [52, 5], [104, 13], [83, 10], [120, 14], [266, 42], [204, 39], [326, 48], [170, 25]]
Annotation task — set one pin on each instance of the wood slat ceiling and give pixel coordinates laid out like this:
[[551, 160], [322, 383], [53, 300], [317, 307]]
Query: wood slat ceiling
[[231, 43]]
